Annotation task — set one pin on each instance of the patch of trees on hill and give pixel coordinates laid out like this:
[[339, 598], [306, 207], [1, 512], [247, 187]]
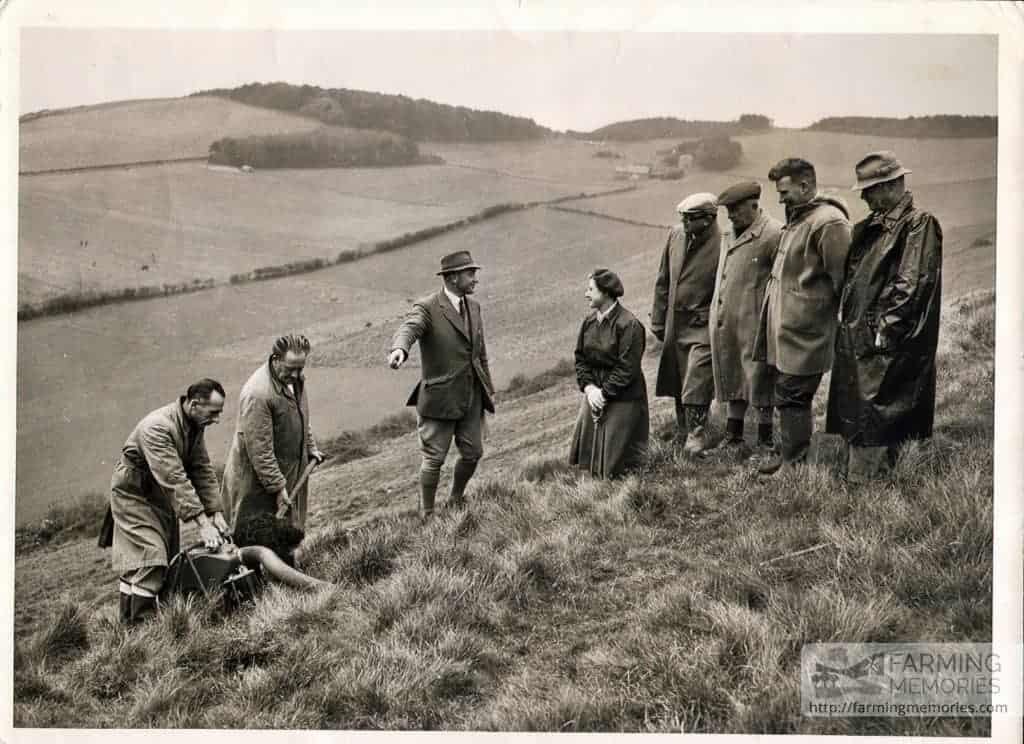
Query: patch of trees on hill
[[342, 148], [912, 126], [417, 119], [664, 127]]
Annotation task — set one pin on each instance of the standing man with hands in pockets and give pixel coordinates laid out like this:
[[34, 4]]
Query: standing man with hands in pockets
[[456, 387]]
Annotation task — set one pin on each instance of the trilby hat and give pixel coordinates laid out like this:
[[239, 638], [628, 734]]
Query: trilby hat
[[458, 261], [878, 167]]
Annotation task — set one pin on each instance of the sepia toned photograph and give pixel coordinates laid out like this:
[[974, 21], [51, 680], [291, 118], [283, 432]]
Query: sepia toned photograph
[[507, 379]]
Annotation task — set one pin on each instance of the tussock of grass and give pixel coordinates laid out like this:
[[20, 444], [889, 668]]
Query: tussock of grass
[[522, 385], [80, 516], [677, 599]]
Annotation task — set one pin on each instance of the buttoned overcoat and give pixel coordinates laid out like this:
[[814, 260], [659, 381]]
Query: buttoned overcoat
[[453, 357], [743, 270], [682, 306]]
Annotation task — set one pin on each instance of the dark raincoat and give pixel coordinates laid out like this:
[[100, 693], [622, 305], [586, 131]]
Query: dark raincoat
[[884, 394]]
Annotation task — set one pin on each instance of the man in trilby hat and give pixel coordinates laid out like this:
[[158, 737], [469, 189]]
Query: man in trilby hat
[[456, 387], [679, 316], [882, 390]]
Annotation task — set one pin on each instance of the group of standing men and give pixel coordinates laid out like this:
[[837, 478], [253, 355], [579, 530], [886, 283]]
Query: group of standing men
[[754, 316], [759, 314]]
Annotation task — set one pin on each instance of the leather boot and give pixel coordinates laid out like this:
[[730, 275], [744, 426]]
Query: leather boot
[[796, 425], [733, 434], [136, 608], [681, 424], [428, 488], [463, 472], [697, 439]]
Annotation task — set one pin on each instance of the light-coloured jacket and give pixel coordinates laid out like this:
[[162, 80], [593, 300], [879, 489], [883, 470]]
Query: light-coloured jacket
[[273, 443], [163, 475], [743, 270], [801, 302]]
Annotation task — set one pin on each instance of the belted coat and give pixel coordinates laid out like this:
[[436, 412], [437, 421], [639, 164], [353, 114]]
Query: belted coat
[[797, 328], [272, 445], [163, 475], [453, 357], [743, 270], [682, 302], [884, 393]]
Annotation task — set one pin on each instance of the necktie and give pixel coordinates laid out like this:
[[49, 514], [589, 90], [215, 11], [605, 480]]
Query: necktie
[[464, 312]]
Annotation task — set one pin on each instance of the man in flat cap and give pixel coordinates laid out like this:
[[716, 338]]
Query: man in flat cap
[[882, 390], [456, 387], [679, 317], [796, 331], [743, 269]]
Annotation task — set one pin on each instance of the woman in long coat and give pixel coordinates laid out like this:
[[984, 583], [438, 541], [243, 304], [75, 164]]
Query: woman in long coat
[[613, 424]]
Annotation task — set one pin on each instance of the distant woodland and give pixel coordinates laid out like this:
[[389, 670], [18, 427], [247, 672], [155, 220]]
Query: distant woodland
[[418, 120], [330, 147], [666, 127], [912, 126]]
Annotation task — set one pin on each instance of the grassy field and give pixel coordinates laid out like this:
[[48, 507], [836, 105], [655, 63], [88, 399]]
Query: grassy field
[[132, 131], [102, 231], [95, 373], [555, 603], [535, 263]]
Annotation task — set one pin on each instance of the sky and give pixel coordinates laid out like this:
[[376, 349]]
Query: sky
[[562, 79]]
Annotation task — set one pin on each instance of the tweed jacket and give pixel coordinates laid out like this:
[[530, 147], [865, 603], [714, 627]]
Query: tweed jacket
[[453, 358]]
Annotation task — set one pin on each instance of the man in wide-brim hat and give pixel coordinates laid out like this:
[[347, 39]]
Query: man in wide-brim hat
[[882, 390], [679, 316], [455, 388]]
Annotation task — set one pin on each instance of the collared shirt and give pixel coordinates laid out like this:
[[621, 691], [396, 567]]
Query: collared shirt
[[608, 311], [455, 300]]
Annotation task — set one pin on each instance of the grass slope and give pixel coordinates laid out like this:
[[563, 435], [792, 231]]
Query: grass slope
[[557, 603], [130, 131]]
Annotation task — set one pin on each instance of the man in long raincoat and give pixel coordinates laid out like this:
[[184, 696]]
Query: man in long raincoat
[[882, 390], [679, 316], [273, 439], [743, 269], [163, 475], [801, 302]]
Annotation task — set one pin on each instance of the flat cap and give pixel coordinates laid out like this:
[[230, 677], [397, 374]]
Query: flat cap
[[702, 203], [739, 192], [878, 167]]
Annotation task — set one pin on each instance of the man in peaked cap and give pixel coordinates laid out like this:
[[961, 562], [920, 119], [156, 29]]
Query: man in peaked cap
[[882, 390], [456, 387], [679, 317], [743, 269]]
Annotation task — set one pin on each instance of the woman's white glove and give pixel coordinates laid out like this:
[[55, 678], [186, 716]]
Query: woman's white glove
[[595, 398]]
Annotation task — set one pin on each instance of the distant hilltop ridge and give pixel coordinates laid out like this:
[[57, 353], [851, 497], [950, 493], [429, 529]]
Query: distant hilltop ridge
[[417, 119]]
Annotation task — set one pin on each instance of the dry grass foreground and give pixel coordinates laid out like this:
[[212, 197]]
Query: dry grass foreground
[[557, 603]]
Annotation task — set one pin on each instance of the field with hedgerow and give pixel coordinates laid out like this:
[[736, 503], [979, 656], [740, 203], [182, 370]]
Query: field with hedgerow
[[675, 600]]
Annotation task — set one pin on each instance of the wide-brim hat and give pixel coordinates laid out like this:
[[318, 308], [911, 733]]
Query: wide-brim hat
[[458, 261], [878, 167]]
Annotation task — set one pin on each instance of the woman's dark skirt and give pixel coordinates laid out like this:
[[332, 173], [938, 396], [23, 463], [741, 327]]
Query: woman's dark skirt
[[616, 444]]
